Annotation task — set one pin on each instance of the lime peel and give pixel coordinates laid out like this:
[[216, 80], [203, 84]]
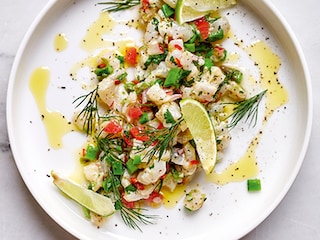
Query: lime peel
[[202, 130], [89, 199]]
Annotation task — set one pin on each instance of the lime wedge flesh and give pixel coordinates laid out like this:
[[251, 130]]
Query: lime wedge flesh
[[189, 10], [201, 128], [91, 200]]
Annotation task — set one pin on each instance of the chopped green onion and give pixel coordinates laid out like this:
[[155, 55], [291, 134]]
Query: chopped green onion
[[191, 47], [132, 164], [254, 185], [117, 168], [167, 10], [130, 188], [91, 153], [144, 118], [208, 63], [103, 72], [172, 78], [218, 35]]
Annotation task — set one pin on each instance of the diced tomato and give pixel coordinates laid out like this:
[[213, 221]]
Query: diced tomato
[[126, 203], [145, 4], [160, 126], [155, 198], [128, 140], [138, 132], [131, 56], [203, 26], [134, 112], [113, 128], [136, 183]]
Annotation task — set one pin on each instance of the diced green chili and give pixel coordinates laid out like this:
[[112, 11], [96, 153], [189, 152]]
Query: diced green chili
[[254, 185], [232, 74]]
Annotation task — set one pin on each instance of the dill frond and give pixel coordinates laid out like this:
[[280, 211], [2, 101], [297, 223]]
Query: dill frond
[[119, 5], [246, 109], [89, 113]]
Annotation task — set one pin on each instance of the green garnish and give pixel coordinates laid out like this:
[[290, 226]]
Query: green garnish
[[119, 5], [89, 113], [254, 185], [247, 109]]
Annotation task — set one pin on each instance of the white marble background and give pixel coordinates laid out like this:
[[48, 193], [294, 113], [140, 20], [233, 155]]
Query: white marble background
[[297, 216]]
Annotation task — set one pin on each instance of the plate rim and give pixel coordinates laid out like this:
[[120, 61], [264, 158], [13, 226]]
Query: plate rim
[[280, 195]]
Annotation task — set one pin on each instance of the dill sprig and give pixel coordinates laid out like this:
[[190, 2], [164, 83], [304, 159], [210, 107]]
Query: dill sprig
[[119, 5], [89, 113], [132, 217], [246, 109]]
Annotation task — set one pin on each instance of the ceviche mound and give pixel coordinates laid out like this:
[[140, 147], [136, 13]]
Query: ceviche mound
[[157, 114]]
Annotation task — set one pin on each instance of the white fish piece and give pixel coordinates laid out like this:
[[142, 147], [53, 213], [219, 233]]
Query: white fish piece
[[139, 194], [159, 96], [93, 172], [173, 108], [152, 174]]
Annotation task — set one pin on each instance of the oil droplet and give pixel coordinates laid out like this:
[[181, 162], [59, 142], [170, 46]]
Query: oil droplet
[[94, 36], [56, 124], [246, 167], [170, 199], [268, 64], [60, 42]]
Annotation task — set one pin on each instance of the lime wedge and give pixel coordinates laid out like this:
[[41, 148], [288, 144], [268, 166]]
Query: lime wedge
[[93, 201], [202, 131], [189, 10]]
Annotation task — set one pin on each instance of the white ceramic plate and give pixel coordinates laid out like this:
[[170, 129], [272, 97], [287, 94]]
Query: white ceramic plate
[[230, 211]]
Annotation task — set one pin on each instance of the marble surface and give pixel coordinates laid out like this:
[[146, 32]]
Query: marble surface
[[297, 216]]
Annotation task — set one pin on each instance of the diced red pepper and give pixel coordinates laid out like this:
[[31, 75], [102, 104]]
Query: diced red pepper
[[138, 132], [135, 82], [113, 128], [194, 162], [177, 61], [117, 82], [131, 56], [102, 65], [203, 26], [135, 112], [176, 46], [161, 48]]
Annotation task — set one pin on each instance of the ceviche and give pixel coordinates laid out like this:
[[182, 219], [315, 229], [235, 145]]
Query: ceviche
[[138, 140]]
